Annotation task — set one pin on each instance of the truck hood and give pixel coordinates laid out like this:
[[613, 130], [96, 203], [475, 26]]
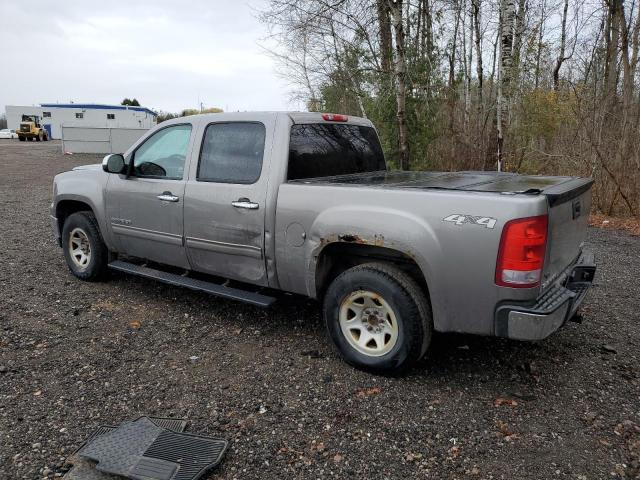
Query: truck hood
[[556, 189], [95, 166]]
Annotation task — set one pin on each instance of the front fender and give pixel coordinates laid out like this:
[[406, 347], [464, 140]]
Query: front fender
[[88, 187], [383, 227]]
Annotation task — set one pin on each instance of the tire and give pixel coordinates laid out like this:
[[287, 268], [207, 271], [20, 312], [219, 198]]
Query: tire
[[45, 138], [38, 137], [368, 300], [86, 253], [21, 138], [29, 139]]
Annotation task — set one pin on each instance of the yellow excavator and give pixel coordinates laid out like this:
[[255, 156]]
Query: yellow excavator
[[31, 128]]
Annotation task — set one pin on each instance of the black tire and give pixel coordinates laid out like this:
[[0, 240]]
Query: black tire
[[408, 303], [29, 139], [38, 137], [21, 138], [45, 138], [96, 267]]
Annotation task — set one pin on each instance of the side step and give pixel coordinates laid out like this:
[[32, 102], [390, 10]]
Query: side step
[[193, 283]]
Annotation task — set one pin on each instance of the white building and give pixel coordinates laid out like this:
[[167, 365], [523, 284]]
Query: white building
[[91, 115]]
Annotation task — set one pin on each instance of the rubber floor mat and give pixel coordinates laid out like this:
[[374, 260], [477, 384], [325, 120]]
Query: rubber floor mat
[[84, 469], [142, 450]]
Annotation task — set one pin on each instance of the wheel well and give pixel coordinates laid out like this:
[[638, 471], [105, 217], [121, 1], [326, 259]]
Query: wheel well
[[337, 257], [65, 208]]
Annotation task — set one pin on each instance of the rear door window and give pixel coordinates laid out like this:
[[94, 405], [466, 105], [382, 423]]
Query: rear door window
[[325, 149], [232, 153]]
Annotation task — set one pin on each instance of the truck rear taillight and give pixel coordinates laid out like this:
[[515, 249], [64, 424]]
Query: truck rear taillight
[[334, 117], [521, 254]]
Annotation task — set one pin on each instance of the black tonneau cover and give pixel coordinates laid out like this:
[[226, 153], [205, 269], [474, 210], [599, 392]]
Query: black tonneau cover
[[556, 189]]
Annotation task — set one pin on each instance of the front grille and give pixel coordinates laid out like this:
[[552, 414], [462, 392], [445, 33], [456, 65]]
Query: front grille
[[25, 128]]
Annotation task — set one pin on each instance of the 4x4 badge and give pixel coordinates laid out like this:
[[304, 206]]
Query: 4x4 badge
[[459, 219]]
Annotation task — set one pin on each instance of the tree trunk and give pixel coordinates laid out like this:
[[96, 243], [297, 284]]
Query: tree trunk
[[426, 45], [539, 49], [428, 23], [613, 38], [385, 36], [475, 6], [507, 14], [635, 40], [629, 60], [395, 9], [563, 42], [467, 70], [451, 93], [517, 35]]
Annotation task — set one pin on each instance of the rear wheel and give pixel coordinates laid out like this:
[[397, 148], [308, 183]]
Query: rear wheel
[[84, 249], [29, 139], [378, 318], [21, 138]]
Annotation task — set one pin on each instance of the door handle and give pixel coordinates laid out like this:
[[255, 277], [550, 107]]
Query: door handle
[[245, 203], [168, 197]]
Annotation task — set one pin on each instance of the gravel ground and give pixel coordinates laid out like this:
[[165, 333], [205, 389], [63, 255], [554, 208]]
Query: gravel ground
[[76, 355]]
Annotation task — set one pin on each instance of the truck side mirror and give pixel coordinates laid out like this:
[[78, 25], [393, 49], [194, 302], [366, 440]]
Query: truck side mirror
[[113, 163]]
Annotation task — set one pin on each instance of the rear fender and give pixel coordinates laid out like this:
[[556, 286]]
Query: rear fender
[[382, 227]]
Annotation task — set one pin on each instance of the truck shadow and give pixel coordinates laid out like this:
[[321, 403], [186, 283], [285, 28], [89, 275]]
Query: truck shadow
[[453, 355], [450, 356]]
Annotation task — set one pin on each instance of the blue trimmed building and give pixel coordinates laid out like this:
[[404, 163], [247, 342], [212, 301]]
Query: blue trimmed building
[[93, 115]]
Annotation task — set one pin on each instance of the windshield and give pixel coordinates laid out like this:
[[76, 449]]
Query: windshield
[[327, 149]]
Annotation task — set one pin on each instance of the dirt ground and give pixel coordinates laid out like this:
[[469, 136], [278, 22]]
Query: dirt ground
[[77, 355]]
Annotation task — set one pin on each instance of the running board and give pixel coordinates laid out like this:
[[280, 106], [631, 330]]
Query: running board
[[193, 283]]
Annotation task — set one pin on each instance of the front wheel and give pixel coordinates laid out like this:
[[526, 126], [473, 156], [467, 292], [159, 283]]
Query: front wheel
[[84, 249], [378, 318]]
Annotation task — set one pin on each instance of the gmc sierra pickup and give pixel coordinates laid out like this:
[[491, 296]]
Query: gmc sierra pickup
[[242, 204]]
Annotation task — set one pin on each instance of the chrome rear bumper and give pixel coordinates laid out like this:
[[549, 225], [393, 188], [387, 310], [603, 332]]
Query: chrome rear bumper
[[552, 309]]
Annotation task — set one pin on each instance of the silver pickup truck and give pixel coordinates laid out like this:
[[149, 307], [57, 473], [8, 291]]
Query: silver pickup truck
[[243, 204]]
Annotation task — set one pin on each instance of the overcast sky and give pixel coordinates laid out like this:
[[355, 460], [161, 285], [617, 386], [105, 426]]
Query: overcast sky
[[167, 54]]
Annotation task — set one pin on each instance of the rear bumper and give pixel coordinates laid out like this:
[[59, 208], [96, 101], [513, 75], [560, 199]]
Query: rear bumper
[[552, 309]]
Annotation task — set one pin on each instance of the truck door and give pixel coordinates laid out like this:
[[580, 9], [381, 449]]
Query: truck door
[[145, 210], [224, 211]]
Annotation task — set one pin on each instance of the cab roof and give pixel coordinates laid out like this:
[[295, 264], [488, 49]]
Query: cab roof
[[295, 117]]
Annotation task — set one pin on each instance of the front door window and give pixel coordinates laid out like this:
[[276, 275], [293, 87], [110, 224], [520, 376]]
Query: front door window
[[163, 154]]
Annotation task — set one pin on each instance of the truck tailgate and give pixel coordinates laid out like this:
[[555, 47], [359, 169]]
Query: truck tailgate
[[569, 206]]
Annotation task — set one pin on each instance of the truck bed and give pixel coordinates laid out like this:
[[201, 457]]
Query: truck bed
[[556, 189], [568, 201]]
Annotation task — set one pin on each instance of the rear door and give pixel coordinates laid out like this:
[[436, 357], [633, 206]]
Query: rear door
[[225, 197], [145, 210]]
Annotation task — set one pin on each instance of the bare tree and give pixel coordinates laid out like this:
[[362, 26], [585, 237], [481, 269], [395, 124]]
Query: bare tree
[[563, 42], [539, 45], [505, 72], [476, 18], [384, 29], [472, 84], [395, 11]]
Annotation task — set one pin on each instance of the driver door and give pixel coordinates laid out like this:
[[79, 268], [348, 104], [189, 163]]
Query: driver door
[[145, 210]]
